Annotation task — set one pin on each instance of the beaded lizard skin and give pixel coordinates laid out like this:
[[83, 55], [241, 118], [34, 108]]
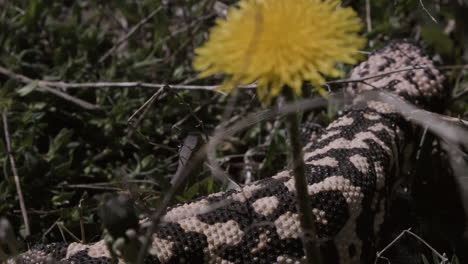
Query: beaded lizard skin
[[350, 169]]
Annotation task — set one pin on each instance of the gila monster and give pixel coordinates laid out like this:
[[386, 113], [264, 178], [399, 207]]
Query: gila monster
[[350, 168]]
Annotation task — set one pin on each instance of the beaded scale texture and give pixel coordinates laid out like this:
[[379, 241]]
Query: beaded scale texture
[[350, 169]]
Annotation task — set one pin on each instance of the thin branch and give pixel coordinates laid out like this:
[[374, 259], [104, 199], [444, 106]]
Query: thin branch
[[453, 67], [185, 28], [451, 130], [368, 17], [61, 232], [416, 67], [452, 120], [50, 229], [44, 85], [369, 20], [460, 94], [15, 173], [408, 231], [41, 212], [80, 210], [146, 105], [90, 187], [429, 14], [135, 84], [66, 85], [61, 225], [129, 34], [77, 101]]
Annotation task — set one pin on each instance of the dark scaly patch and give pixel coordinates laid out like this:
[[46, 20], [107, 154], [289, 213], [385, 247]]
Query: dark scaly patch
[[336, 212], [235, 210], [82, 256], [186, 244], [244, 252]]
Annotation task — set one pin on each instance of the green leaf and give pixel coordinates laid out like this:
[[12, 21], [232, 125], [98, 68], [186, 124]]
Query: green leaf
[[27, 89], [197, 189], [179, 71], [60, 140], [436, 37], [455, 260], [148, 160], [62, 198], [424, 259], [147, 62]]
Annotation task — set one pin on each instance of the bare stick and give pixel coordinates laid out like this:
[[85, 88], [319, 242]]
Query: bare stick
[[136, 84], [15, 173], [368, 16], [77, 101], [185, 28], [460, 94], [61, 225], [45, 86], [82, 229], [61, 232], [408, 231], [90, 187], [429, 14], [129, 34], [65, 85], [50, 229], [147, 103], [416, 67], [445, 127], [453, 67], [369, 20]]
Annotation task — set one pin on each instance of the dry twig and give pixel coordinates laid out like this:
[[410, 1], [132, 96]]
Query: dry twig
[[369, 20], [15, 173], [66, 85], [129, 34], [184, 28], [44, 85], [145, 107], [460, 94], [429, 14], [416, 67], [408, 231]]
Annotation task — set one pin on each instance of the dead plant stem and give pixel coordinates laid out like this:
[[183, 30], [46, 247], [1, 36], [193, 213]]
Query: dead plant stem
[[15, 173]]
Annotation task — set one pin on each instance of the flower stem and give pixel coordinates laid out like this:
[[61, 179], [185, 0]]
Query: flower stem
[[311, 248]]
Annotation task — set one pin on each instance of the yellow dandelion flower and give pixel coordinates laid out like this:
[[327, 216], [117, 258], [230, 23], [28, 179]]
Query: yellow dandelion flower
[[280, 42]]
